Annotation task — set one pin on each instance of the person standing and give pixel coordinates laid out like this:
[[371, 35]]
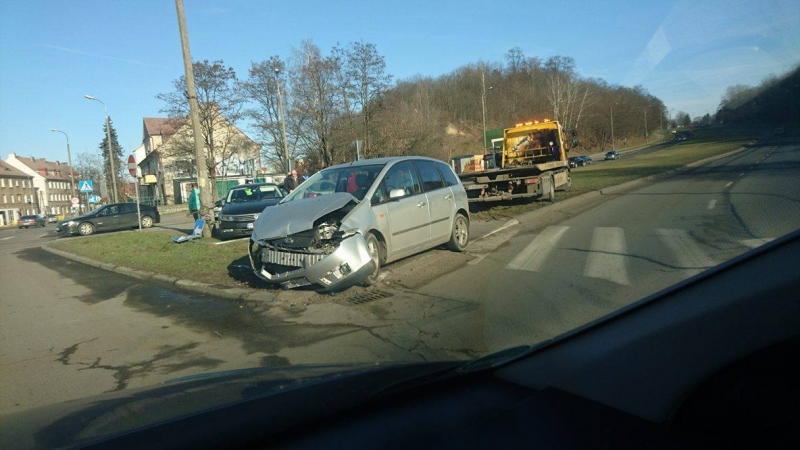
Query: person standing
[[194, 202], [291, 182]]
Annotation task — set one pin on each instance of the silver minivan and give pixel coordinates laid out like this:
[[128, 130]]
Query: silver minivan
[[342, 224]]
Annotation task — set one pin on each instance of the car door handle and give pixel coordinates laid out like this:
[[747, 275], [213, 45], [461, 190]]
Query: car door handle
[[420, 204], [448, 196]]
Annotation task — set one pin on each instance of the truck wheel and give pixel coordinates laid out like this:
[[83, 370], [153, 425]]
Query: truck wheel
[[459, 238], [551, 192]]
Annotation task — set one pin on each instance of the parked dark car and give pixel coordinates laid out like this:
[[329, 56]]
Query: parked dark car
[[242, 206], [586, 159], [51, 218], [31, 221], [612, 155], [116, 216]]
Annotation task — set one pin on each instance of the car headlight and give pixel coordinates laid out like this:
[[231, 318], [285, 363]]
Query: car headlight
[[225, 217]]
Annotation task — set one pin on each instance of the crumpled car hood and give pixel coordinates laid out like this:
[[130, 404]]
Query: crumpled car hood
[[293, 217]]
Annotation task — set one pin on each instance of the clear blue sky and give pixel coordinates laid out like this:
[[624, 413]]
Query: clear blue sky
[[125, 52]]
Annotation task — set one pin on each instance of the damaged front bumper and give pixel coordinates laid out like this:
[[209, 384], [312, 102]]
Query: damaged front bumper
[[346, 266]]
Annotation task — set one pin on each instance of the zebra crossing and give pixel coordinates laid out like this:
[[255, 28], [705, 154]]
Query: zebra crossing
[[608, 258]]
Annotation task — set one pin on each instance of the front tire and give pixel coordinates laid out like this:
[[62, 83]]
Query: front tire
[[85, 229], [459, 238], [374, 248]]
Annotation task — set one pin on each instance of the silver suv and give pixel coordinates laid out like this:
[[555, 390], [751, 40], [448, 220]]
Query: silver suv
[[341, 225]]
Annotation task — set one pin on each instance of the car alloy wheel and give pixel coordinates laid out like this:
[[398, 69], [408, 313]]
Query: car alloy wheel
[[374, 249], [459, 238], [85, 229], [147, 221]]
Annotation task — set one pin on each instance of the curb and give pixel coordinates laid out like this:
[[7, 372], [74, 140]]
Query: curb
[[229, 293], [245, 295]]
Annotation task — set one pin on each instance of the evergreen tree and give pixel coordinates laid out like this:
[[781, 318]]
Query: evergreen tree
[[107, 162]]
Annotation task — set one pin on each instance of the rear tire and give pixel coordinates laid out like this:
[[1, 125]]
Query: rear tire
[[459, 238], [147, 221], [374, 247], [551, 192]]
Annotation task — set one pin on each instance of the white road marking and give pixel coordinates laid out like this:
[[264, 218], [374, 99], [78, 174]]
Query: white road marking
[[534, 256], [712, 204], [728, 185], [741, 174], [685, 249], [608, 256], [753, 243], [7, 238], [484, 245]]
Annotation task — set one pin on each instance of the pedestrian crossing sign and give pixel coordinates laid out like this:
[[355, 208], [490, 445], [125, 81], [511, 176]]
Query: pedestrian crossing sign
[[85, 186]]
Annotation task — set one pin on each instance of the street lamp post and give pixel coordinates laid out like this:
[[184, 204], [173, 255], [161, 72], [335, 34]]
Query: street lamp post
[[283, 121], [110, 149], [483, 107], [69, 161]]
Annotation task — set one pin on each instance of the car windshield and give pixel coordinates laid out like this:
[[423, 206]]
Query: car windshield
[[354, 180], [400, 182], [254, 194]]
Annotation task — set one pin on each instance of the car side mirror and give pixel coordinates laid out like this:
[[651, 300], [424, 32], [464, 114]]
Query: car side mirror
[[397, 193]]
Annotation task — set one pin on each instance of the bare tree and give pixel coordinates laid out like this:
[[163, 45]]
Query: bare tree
[[220, 103], [262, 87], [316, 102], [367, 82]]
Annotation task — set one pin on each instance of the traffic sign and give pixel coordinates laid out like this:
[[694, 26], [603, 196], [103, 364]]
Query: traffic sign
[[75, 200], [132, 165], [85, 186], [94, 199]]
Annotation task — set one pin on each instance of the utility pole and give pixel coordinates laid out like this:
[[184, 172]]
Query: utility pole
[[199, 150], [283, 121]]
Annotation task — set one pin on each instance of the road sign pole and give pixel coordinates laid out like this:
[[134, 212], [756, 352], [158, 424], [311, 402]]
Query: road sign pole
[[132, 170]]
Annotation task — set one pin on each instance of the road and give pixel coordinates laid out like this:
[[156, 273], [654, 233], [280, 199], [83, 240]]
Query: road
[[545, 279], [68, 330]]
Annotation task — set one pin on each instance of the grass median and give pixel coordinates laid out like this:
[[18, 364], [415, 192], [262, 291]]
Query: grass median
[[226, 265], [154, 251]]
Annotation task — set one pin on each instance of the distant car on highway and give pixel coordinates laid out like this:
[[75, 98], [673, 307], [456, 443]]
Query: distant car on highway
[[612, 155], [575, 161], [31, 221], [116, 216], [586, 159]]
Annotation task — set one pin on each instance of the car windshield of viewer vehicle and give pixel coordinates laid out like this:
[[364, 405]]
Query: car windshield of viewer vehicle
[[604, 154]]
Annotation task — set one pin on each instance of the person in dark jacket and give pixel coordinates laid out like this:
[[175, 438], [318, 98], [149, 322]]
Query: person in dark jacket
[[291, 182]]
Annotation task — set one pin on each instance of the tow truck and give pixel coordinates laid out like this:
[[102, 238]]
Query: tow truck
[[529, 161]]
